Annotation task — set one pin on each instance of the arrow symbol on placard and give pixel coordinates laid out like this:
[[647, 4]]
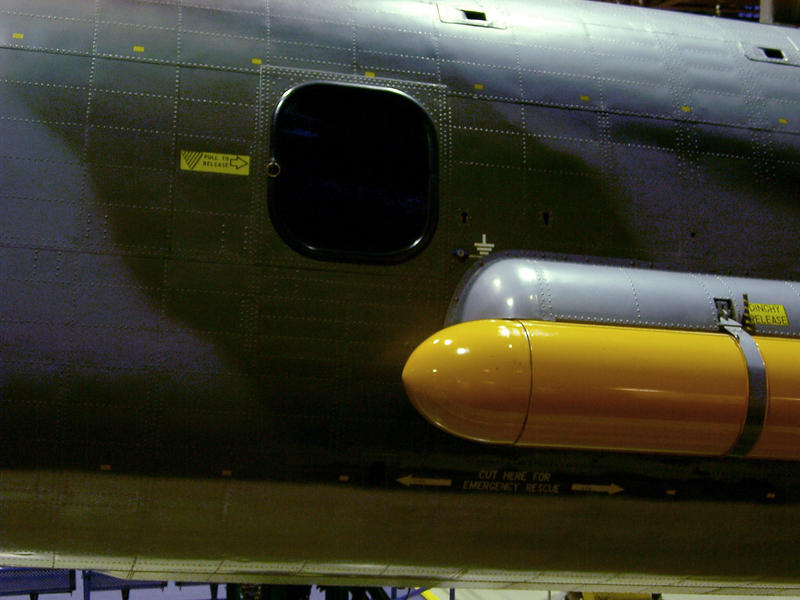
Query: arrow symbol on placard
[[601, 489], [410, 480], [238, 162]]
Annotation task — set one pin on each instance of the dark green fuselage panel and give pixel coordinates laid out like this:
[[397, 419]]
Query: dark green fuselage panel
[[157, 324]]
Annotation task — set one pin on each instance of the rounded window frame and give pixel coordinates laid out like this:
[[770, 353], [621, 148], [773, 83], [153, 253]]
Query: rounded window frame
[[420, 242]]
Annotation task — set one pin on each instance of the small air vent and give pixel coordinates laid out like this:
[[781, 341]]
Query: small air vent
[[470, 12], [475, 15], [775, 56], [773, 53]]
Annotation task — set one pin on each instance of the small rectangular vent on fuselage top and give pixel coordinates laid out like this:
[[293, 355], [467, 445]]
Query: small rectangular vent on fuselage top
[[474, 15], [786, 56], [773, 53], [470, 12]]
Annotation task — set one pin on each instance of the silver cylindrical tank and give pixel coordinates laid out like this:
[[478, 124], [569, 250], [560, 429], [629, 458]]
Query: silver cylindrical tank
[[546, 290]]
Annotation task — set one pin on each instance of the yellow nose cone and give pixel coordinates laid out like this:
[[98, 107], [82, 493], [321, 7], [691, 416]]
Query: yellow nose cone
[[473, 380]]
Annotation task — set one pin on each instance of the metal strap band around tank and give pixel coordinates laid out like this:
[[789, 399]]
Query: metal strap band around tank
[[756, 388]]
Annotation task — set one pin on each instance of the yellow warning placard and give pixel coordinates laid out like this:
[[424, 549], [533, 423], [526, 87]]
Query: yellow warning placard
[[770, 315], [215, 162]]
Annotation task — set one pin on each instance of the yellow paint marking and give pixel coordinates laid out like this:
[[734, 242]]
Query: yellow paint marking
[[686, 108], [215, 162], [429, 595], [138, 48], [585, 98], [18, 36], [783, 121], [478, 86], [255, 61], [105, 467], [771, 315], [369, 74]]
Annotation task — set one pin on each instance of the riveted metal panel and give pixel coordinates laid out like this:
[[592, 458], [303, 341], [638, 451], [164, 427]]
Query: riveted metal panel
[[557, 57], [478, 113], [144, 111], [136, 187], [233, 25], [136, 42], [220, 121], [225, 88], [652, 100], [202, 49], [410, 68], [714, 107], [287, 27], [786, 147], [35, 140], [158, 16], [481, 183], [565, 156], [409, 55], [48, 33], [776, 81], [311, 56], [313, 10], [54, 104], [407, 16], [780, 114], [519, 288], [484, 81], [499, 149], [562, 89], [134, 77], [629, 63], [42, 68], [130, 148], [79, 9], [545, 121]]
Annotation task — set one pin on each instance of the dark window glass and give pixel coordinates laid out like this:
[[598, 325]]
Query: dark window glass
[[357, 176]]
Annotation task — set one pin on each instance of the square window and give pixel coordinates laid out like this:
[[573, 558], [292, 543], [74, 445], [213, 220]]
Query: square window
[[353, 173]]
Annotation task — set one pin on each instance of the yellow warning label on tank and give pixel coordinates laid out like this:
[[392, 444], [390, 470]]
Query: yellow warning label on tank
[[770, 315], [214, 162]]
